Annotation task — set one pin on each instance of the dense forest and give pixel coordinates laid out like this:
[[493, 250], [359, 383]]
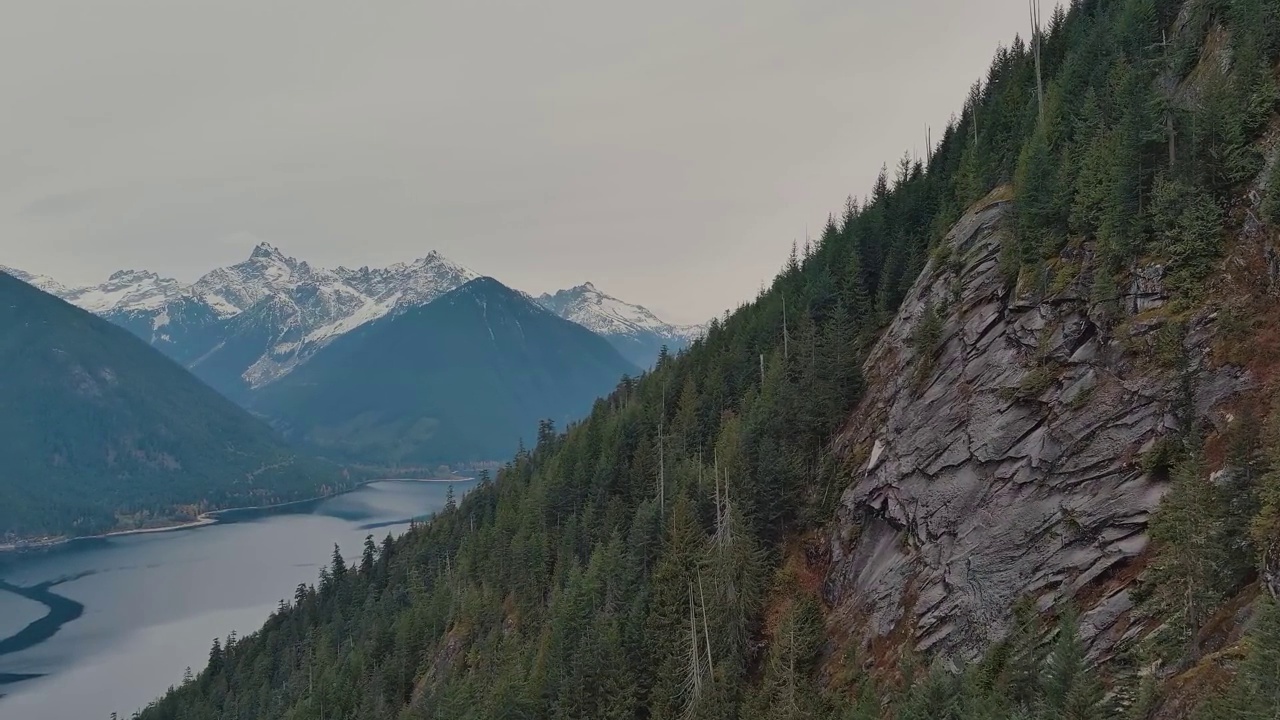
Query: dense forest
[[99, 431], [648, 562]]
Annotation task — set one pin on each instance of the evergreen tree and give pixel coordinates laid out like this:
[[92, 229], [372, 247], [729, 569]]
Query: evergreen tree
[[1184, 580]]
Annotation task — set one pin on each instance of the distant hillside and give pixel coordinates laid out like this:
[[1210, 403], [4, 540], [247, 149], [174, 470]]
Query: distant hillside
[[465, 377], [99, 431]]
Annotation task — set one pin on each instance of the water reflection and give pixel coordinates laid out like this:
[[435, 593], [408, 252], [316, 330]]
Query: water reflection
[[124, 616]]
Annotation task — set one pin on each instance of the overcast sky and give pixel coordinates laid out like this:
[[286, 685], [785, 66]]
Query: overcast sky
[[668, 150]]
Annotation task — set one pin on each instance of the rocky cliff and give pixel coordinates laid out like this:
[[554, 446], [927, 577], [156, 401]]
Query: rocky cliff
[[1007, 447]]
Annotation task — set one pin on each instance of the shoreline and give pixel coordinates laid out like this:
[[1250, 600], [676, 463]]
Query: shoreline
[[211, 517]]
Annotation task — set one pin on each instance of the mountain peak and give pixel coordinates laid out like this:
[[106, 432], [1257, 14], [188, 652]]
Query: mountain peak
[[132, 275], [486, 284], [633, 329], [265, 250]]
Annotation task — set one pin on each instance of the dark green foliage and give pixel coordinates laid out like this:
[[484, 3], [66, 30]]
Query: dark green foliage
[[99, 431], [1186, 581], [461, 379], [1121, 159], [1035, 184], [1071, 690], [925, 337], [1188, 230]]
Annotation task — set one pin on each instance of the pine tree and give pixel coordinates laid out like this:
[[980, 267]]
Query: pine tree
[[1188, 226], [1184, 578], [338, 566], [936, 697], [1036, 197], [1071, 692]]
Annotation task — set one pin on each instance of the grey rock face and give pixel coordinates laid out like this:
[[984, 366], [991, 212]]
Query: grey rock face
[[1010, 465]]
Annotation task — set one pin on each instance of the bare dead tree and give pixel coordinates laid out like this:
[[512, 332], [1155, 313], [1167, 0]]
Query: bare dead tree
[[975, 101], [706, 630], [692, 686], [662, 460], [1168, 109], [1036, 37], [786, 339]]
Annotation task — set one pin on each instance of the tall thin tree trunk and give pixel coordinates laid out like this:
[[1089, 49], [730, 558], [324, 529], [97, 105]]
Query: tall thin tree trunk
[[786, 345], [662, 459], [706, 630], [1168, 111], [1034, 6]]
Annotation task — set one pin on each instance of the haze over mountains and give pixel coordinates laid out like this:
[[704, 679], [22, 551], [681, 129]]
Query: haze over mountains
[[247, 325], [417, 363]]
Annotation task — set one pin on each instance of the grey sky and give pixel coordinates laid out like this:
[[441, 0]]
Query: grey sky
[[668, 150]]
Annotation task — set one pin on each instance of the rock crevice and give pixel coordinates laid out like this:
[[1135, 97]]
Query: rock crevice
[[1014, 468]]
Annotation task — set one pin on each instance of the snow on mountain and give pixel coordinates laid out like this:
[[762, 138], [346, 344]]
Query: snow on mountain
[[248, 324], [125, 290], [43, 282], [296, 309], [633, 329], [233, 289], [409, 284]]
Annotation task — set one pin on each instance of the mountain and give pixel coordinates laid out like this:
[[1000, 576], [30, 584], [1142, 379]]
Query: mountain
[[125, 290], [635, 331], [100, 432], [465, 377], [242, 326], [44, 282], [1002, 445]]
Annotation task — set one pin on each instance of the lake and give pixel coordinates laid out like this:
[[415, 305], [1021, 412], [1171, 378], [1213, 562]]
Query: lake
[[153, 603]]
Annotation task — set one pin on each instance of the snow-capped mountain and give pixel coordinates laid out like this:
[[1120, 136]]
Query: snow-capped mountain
[[125, 289], [43, 282], [635, 331], [242, 326], [408, 284]]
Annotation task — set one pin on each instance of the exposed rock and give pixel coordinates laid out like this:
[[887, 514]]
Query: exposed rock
[[1014, 469], [1146, 289]]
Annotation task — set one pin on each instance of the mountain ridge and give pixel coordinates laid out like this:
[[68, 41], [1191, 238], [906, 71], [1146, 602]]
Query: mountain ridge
[[464, 377], [243, 326]]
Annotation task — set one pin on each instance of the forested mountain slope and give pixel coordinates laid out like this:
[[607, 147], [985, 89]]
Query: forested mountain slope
[[463, 378], [100, 432], [794, 518]]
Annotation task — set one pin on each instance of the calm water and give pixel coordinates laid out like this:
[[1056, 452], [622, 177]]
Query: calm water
[[152, 604]]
